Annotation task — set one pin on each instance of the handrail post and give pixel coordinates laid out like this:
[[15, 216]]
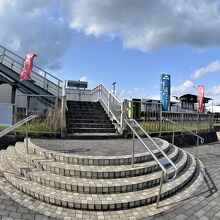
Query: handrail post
[[173, 138], [99, 98], [197, 147], [63, 111], [122, 114], [108, 101], [28, 101], [133, 145], [160, 188], [161, 115]]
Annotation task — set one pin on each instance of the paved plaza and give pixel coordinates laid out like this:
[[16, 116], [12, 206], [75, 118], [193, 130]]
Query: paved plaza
[[203, 204]]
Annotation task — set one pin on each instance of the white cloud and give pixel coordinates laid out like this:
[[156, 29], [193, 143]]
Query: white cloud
[[210, 68], [183, 88], [215, 90], [135, 92], [148, 25], [28, 26], [49, 27], [86, 79]]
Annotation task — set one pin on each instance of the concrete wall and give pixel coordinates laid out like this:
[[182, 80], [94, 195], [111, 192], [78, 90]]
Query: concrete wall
[[5, 93], [187, 140], [5, 96]]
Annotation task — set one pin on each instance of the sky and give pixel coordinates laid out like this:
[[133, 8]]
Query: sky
[[130, 42]]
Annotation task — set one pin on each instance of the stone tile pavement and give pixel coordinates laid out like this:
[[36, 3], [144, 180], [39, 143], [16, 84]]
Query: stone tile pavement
[[10, 210], [203, 204]]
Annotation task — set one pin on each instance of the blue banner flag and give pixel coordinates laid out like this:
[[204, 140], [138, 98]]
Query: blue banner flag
[[165, 92]]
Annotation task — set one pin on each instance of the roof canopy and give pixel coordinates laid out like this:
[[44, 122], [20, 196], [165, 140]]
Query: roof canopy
[[192, 98]]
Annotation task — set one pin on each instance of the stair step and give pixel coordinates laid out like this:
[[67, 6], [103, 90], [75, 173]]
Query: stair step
[[98, 160], [97, 186], [91, 130], [93, 136], [88, 125], [81, 103], [92, 172], [134, 213], [86, 114], [89, 121], [99, 202], [88, 118], [85, 108]]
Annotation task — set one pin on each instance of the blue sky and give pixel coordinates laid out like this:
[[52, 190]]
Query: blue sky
[[130, 42], [137, 73]]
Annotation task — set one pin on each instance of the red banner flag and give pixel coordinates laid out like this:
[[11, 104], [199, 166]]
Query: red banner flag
[[28, 65], [201, 92]]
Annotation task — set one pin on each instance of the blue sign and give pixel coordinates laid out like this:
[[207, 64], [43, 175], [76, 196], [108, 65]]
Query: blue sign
[[165, 92]]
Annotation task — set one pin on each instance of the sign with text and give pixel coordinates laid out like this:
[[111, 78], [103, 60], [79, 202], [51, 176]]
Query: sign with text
[[165, 92], [201, 92]]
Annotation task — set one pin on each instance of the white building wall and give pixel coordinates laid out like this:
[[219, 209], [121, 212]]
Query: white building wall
[[5, 93]]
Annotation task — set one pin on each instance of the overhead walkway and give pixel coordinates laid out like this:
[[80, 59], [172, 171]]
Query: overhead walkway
[[41, 83]]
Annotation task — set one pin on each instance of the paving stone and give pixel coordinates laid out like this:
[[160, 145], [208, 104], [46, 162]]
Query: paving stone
[[15, 215], [206, 196], [28, 216]]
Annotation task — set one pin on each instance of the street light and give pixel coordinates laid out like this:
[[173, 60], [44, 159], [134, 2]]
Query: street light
[[114, 87]]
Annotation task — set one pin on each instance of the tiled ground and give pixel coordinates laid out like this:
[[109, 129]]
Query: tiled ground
[[204, 204], [10, 210], [94, 147]]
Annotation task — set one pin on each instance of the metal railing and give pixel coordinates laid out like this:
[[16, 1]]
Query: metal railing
[[16, 125], [152, 117], [132, 123], [191, 132], [40, 77], [112, 105]]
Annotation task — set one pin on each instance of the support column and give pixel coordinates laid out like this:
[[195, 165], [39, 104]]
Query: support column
[[13, 94]]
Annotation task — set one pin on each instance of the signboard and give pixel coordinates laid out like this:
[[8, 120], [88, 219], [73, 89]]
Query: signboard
[[28, 65], [6, 114], [201, 91], [77, 84], [165, 92]]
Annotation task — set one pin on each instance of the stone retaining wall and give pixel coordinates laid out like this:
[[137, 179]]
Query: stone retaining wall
[[186, 140]]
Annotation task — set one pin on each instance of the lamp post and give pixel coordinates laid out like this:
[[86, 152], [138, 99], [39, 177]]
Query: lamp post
[[114, 87]]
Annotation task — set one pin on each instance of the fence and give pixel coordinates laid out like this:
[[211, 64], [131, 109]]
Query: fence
[[152, 118]]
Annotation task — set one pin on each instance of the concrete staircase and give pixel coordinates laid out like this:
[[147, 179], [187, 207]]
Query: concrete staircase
[[95, 187], [88, 119]]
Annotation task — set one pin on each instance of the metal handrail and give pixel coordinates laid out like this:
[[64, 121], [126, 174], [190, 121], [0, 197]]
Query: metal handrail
[[170, 161], [112, 94], [191, 132], [46, 82], [4, 49], [99, 89], [181, 126], [16, 125], [164, 170]]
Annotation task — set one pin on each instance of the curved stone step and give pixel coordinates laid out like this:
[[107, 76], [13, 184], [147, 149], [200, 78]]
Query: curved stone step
[[98, 160], [133, 213], [98, 202], [83, 185], [92, 172]]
